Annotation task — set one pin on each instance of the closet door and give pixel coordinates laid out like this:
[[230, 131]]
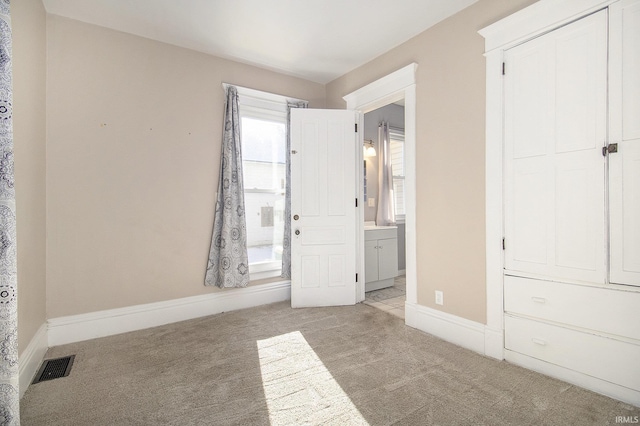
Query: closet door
[[624, 165], [555, 127]]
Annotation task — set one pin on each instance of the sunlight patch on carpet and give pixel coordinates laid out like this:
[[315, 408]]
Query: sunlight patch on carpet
[[298, 387]]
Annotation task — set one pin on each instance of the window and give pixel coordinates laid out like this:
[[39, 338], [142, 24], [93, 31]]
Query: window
[[396, 137], [263, 136], [263, 119]]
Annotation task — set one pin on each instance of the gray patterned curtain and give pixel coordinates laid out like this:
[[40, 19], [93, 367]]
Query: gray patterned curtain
[[228, 264], [286, 241], [385, 214], [9, 383]]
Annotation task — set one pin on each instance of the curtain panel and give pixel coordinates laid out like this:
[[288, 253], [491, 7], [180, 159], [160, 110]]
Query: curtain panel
[[385, 214], [9, 379], [286, 241], [228, 264]]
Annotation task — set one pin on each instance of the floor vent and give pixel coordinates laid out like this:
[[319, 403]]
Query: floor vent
[[54, 368]]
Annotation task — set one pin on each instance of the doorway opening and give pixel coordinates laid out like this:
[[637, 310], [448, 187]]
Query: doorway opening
[[397, 86], [385, 260]]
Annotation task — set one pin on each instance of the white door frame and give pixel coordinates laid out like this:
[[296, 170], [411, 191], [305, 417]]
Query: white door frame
[[398, 85], [528, 23]]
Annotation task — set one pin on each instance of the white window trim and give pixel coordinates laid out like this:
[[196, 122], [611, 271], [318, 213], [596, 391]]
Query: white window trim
[[397, 134], [262, 100], [248, 109], [263, 270]]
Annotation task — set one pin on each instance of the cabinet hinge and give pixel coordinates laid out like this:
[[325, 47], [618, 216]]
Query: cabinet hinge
[[504, 246], [356, 127], [504, 68], [609, 149]]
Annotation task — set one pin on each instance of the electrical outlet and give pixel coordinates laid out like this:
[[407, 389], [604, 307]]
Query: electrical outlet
[[372, 202], [439, 298]]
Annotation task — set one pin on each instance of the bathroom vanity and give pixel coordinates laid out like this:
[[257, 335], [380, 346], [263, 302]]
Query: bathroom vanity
[[381, 256]]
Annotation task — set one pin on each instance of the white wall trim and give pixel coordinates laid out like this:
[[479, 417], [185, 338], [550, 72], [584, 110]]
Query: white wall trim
[[31, 358], [539, 18], [452, 328], [76, 328], [398, 85], [600, 386], [494, 225], [372, 93]]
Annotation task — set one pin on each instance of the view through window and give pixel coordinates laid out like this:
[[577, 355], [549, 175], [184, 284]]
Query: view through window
[[263, 161]]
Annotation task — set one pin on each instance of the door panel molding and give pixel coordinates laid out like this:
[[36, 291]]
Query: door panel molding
[[323, 240]]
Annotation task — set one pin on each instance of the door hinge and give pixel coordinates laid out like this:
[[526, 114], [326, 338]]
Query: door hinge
[[504, 68], [504, 246], [609, 149], [356, 127], [356, 277], [356, 202]]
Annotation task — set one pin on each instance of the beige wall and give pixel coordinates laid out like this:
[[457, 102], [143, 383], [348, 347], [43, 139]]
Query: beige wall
[[134, 131], [450, 151], [29, 75], [132, 160]]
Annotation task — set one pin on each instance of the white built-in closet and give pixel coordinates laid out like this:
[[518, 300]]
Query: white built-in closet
[[569, 129]]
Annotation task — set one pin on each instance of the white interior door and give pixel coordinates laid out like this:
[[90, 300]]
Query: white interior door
[[624, 165], [323, 207], [555, 127]]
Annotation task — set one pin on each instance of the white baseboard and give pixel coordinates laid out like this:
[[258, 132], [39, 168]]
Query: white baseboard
[[600, 386], [454, 329], [31, 358], [494, 343], [76, 328]]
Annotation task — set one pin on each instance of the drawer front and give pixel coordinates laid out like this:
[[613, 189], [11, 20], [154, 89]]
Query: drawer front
[[605, 310], [378, 234], [607, 359]]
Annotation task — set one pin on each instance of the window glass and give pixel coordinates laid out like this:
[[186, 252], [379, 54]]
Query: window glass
[[263, 154], [263, 162]]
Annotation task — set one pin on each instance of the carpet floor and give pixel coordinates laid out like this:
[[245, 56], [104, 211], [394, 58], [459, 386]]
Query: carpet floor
[[273, 365]]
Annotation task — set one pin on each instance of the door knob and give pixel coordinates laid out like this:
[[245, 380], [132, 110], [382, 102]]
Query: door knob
[[296, 217], [297, 232]]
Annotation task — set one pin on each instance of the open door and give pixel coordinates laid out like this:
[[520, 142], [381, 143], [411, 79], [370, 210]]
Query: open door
[[324, 207]]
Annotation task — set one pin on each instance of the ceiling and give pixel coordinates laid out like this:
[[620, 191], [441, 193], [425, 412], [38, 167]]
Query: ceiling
[[318, 40]]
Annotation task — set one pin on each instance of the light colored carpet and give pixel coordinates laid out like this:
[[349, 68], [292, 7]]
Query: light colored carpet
[[274, 365]]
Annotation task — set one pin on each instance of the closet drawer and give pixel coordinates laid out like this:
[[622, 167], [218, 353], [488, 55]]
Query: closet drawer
[[605, 310], [607, 359]]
